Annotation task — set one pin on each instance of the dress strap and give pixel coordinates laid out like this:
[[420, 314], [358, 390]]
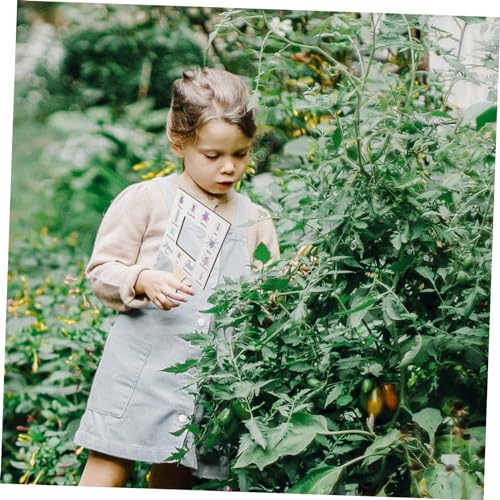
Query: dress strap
[[242, 212]]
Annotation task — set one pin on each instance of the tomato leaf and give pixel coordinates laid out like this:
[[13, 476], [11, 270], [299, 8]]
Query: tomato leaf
[[381, 446], [299, 147], [255, 432], [262, 253], [428, 419], [333, 395], [487, 116], [303, 428], [181, 367], [275, 284], [412, 353], [320, 481]]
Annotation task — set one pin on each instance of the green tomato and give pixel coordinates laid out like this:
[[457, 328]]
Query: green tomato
[[313, 382], [232, 430], [240, 409], [367, 385], [224, 416], [463, 278], [468, 262]]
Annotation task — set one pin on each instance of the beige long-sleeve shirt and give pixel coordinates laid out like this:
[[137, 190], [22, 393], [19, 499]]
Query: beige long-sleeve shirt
[[130, 234]]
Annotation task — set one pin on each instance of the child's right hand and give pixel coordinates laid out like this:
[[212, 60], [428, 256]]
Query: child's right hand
[[161, 288]]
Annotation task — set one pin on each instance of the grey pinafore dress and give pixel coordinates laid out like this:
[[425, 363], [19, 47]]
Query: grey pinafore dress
[[134, 406]]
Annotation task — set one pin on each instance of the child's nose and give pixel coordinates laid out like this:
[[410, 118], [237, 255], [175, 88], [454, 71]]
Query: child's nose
[[228, 166]]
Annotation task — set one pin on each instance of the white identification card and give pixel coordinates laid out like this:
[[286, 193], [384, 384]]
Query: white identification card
[[194, 237]]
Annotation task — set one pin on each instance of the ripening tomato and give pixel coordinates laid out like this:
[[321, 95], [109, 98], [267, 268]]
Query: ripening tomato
[[390, 397], [375, 402]]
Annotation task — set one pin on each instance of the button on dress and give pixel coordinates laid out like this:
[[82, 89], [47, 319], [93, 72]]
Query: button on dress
[[134, 406]]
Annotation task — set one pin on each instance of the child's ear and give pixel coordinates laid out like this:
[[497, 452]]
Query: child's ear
[[177, 149]]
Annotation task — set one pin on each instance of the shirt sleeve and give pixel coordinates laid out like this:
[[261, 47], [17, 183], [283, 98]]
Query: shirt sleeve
[[113, 270], [265, 233]]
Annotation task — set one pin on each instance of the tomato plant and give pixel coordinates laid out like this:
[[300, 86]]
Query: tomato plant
[[346, 355]]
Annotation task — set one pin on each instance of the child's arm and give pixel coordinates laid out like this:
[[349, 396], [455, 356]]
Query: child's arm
[[112, 270], [115, 275]]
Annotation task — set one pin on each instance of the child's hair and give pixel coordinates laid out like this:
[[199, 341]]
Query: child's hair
[[204, 94]]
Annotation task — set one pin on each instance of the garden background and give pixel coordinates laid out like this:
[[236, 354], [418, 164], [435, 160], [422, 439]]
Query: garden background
[[382, 191]]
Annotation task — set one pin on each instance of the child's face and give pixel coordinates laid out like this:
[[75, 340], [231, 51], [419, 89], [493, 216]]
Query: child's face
[[216, 161]]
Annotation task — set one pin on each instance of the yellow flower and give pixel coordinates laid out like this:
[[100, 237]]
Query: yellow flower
[[72, 239], [308, 80], [141, 166], [149, 175], [24, 438], [25, 477], [68, 321], [312, 123], [34, 367], [12, 308], [39, 326], [167, 170]]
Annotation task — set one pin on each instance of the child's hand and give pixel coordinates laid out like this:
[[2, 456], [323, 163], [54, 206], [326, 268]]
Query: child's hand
[[161, 288]]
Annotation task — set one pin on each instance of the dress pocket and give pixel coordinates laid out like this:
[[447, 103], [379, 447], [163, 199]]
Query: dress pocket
[[123, 360]]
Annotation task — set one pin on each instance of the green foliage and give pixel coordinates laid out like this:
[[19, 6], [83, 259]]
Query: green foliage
[[382, 197], [104, 155], [53, 339], [103, 55], [394, 191], [55, 336], [102, 89], [129, 56]]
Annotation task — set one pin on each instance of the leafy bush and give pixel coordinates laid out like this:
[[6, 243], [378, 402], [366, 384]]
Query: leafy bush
[[55, 335], [98, 157], [392, 205], [132, 54], [383, 201], [101, 55]]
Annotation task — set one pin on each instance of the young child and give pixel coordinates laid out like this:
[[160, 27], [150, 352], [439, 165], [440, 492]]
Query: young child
[[134, 406]]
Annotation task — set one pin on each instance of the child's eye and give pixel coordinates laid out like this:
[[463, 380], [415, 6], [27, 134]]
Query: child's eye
[[240, 155], [211, 157]]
